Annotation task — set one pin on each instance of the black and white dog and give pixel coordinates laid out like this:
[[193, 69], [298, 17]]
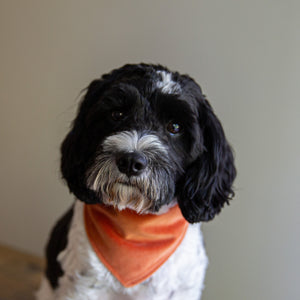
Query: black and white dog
[[145, 138]]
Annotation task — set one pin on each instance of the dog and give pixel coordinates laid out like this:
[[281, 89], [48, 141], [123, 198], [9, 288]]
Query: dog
[[148, 161]]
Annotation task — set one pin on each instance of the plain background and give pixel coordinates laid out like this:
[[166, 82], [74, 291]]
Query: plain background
[[246, 57]]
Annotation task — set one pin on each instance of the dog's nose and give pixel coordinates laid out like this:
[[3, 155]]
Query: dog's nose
[[131, 164]]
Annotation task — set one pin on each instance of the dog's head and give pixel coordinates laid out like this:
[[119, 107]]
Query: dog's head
[[144, 137]]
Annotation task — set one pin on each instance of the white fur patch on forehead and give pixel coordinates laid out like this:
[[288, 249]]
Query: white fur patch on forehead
[[166, 84], [130, 141]]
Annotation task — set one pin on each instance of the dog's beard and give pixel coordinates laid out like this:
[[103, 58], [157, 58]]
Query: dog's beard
[[144, 193], [123, 196]]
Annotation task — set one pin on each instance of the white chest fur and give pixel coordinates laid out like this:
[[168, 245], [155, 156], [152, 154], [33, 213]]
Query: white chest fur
[[86, 278]]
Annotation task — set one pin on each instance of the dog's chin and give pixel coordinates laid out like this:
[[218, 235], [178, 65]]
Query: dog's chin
[[122, 196]]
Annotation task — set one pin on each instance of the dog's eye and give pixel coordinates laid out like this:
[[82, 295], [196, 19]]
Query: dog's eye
[[174, 127], [117, 115]]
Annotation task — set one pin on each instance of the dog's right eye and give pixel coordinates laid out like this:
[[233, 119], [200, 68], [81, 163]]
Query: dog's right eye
[[117, 115]]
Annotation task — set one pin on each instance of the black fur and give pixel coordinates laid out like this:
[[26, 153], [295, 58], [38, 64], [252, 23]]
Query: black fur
[[207, 183], [200, 156], [57, 242]]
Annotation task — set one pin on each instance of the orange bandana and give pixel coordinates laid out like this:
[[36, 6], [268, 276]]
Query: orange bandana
[[130, 245]]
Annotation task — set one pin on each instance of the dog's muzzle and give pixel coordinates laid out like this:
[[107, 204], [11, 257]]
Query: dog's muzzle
[[133, 170]]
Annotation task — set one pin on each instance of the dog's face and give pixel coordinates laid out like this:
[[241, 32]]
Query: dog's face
[[144, 137]]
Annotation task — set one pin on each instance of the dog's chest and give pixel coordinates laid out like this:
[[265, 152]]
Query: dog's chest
[[85, 277]]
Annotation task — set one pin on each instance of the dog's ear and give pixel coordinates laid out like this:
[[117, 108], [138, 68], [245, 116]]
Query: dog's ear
[[207, 183], [76, 148]]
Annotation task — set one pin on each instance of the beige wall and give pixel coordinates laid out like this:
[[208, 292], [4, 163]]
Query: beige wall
[[245, 55]]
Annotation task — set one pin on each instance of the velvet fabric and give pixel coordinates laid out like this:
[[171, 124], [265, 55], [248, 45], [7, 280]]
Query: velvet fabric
[[133, 246]]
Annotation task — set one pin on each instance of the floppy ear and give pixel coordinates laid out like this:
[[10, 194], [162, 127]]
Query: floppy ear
[[207, 183], [77, 148]]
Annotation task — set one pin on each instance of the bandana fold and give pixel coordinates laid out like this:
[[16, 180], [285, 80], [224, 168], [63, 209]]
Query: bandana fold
[[133, 246]]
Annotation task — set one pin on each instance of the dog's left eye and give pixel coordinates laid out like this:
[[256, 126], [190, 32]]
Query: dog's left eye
[[117, 115], [174, 128]]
